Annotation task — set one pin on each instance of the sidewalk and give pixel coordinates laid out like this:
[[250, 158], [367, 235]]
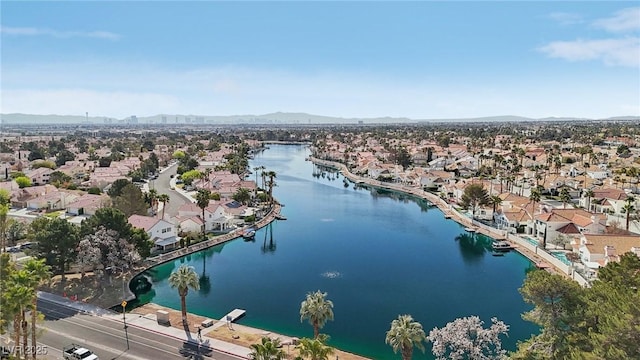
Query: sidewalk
[[149, 323]]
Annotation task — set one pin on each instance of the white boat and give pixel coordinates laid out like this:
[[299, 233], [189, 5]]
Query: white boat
[[471, 230], [501, 246]]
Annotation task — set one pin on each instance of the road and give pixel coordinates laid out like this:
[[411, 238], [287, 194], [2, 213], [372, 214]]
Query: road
[[161, 184], [106, 337]]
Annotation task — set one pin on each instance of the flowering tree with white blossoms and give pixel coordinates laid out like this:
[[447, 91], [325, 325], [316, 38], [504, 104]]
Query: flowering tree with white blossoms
[[112, 253], [466, 338], [88, 255]]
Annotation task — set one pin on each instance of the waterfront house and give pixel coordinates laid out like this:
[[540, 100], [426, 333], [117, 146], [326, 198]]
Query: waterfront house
[[565, 222], [598, 250], [163, 233]]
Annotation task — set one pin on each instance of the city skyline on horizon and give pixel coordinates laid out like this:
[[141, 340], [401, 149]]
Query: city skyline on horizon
[[418, 60]]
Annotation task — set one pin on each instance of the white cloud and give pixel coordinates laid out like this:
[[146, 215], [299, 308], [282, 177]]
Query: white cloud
[[613, 52], [31, 31], [566, 18], [625, 20]]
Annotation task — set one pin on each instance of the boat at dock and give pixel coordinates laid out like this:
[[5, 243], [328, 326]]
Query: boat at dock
[[501, 246], [249, 234], [471, 230], [280, 217]]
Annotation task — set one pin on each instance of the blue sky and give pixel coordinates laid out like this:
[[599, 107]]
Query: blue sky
[[422, 60]]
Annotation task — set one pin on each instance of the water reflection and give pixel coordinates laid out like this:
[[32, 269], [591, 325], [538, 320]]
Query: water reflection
[[268, 247], [473, 246]]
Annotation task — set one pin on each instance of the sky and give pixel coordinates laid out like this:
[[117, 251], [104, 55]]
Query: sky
[[421, 59]]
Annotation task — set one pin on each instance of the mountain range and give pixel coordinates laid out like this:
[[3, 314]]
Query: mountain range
[[273, 119]]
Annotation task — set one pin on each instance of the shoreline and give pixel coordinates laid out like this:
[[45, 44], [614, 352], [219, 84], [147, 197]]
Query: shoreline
[[541, 260]]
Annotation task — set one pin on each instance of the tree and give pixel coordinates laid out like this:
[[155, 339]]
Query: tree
[[565, 197], [56, 241], [317, 309], [183, 279], [474, 196], [315, 349], [164, 199], [15, 230], [404, 335], [58, 178], [114, 252], [88, 255], [131, 201], [114, 219], [116, 188], [19, 294], [23, 182], [495, 201], [64, 156], [39, 273], [190, 175], [557, 307], [268, 349], [271, 183], [628, 209], [202, 199], [4, 211], [589, 194], [466, 338], [535, 198], [243, 195]]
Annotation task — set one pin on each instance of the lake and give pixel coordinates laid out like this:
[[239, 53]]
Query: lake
[[376, 253]]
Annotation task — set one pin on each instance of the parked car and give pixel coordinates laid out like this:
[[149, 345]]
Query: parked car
[[77, 352]]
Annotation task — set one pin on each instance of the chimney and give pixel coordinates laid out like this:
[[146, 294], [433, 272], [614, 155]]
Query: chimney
[[609, 251]]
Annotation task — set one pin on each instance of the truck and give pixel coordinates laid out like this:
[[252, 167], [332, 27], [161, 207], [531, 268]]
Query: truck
[[77, 352]]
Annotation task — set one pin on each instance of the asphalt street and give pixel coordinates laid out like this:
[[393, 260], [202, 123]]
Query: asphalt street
[[107, 339], [161, 184]]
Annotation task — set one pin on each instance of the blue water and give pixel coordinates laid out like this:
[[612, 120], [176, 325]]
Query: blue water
[[560, 255], [377, 254]]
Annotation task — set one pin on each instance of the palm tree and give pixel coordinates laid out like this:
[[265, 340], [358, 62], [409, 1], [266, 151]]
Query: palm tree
[[317, 309], [19, 293], [39, 272], [405, 333], [314, 349], [268, 349], [202, 199], [535, 197], [271, 175], [495, 200], [628, 208], [565, 197], [243, 195], [589, 194], [183, 279], [152, 197], [206, 174], [164, 199]]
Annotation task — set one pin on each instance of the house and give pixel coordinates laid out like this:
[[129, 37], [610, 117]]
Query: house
[[598, 250], [87, 204], [188, 224], [55, 200], [557, 222], [161, 232], [39, 176]]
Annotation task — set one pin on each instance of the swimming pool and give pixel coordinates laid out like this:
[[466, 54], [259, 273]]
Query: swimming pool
[[561, 255]]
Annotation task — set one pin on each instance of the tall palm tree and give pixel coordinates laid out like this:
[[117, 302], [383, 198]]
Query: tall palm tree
[[317, 309], [589, 194], [164, 199], [268, 349], [183, 279], [40, 272], [20, 293], [314, 349], [152, 198], [495, 200], [535, 197], [628, 208], [207, 173], [404, 335], [272, 183], [202, 199]]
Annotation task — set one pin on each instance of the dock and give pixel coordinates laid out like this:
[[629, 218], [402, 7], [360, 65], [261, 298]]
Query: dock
[[229, 318]]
